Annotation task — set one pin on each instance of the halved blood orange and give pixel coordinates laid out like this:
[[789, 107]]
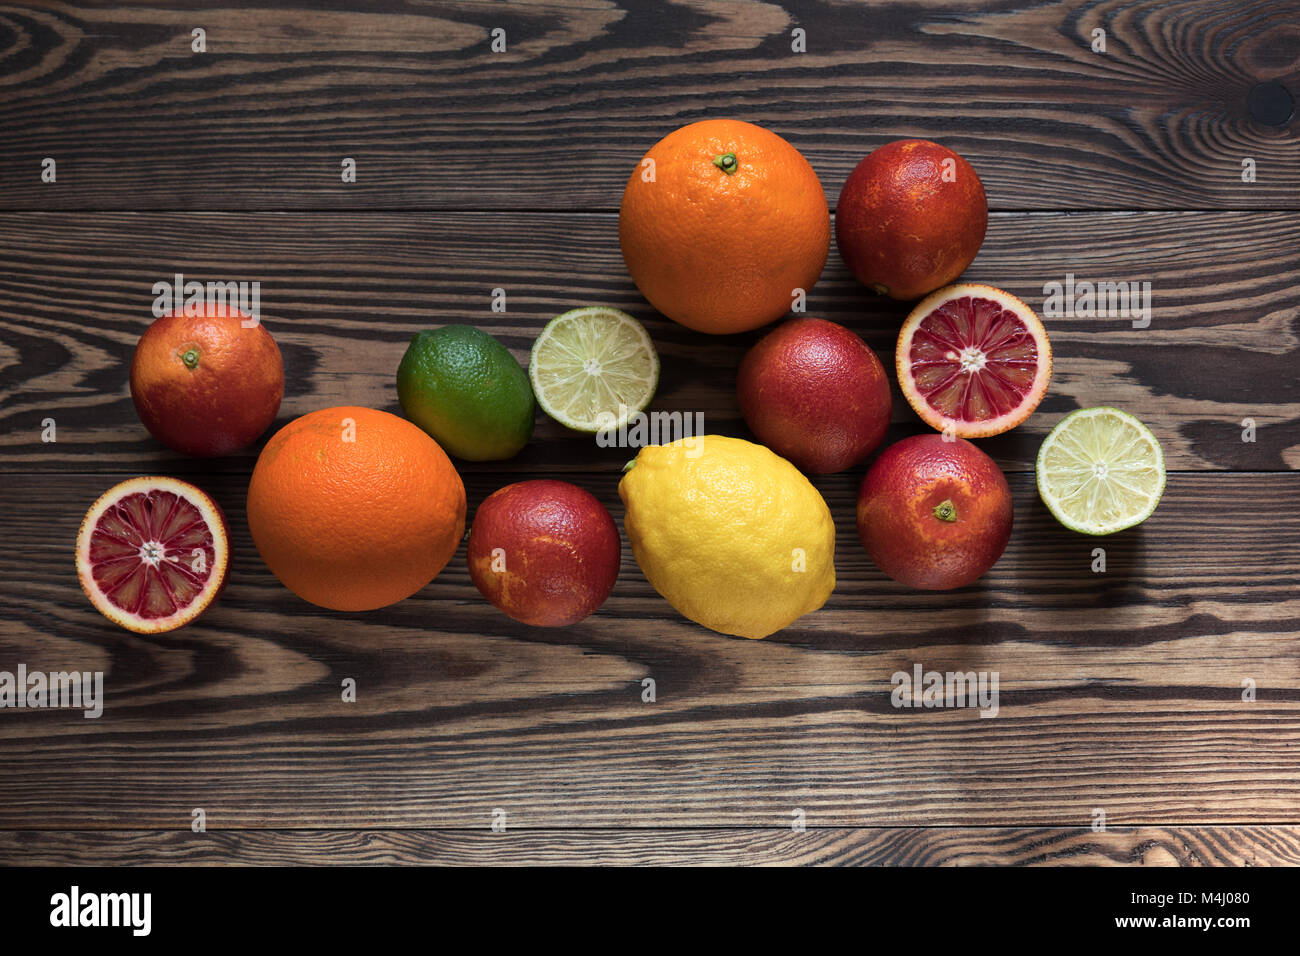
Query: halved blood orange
[[153, 553], [974, 360]]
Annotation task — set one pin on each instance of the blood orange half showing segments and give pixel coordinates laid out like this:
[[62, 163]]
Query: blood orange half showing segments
[[152, 554], [973, 359]]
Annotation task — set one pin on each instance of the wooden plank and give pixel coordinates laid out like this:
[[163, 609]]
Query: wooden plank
[[872, 846], [1119, 691], [343, 294], [435, 119]]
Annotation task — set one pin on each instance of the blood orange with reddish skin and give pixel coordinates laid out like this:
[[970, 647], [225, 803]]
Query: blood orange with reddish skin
[[816, 394], [207, 385], [910, 218], [973, 360], [544, 552], [934, 514], [153, 554]]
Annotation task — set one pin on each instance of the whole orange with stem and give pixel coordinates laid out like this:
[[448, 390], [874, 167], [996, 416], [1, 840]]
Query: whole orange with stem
[[934, 514], [207, 384], [354, 509], [721, 224]]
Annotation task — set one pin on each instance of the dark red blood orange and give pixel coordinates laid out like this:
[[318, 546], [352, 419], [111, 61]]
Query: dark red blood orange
[[544, 552], [209, 384], [934, 514], [153, 553], [816, 394], [910, 218]]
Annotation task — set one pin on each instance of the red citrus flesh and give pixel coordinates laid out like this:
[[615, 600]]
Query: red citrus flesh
[[152, 554], [973, 360], [544, 552]]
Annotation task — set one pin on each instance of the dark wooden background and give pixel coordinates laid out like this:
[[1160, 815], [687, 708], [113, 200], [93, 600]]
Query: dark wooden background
[[1121, 691]]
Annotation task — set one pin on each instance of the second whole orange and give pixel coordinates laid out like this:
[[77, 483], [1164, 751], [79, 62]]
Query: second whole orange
[[354, 509], [722, 224]]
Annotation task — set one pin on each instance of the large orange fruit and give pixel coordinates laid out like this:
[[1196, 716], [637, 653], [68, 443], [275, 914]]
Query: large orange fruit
[[910, 218], [208, 384], [354, 509], [721, 222]]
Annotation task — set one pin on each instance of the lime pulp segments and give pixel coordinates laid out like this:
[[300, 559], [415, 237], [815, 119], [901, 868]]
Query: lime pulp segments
[[1100, 470], [593, 368]]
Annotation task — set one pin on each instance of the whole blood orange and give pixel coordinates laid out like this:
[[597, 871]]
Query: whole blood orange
[[207, 385], [544, 552], [934, 514], [910, 218], [721, 223], [354, 509], [153, 553], [973, 360], [815, 393]]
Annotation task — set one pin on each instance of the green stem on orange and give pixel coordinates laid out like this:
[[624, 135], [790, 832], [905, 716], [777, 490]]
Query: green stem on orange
[[628, 466], [945, 510], [727, 162], [191, 357]]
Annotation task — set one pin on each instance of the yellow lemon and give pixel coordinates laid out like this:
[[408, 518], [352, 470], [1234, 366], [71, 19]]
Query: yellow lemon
[[731, 534]]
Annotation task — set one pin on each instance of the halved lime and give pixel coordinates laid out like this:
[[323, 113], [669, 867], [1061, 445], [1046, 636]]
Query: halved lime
[[593, 368], [1100, 470]]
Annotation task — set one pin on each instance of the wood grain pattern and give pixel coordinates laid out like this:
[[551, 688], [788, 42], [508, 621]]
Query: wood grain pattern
[[436, 120], [875, 846], [343, 294], [1120, 691]]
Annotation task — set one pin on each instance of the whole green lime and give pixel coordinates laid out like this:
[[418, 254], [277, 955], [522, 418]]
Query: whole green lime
[[465, 389]]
